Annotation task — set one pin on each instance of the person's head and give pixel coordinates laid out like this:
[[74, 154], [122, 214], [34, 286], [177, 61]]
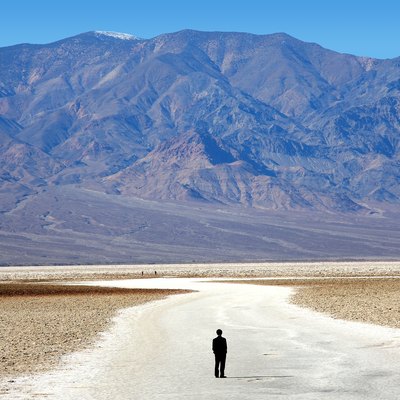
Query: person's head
[[219, 332]]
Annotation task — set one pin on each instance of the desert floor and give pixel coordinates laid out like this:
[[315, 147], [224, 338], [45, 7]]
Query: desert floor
[[160, 347]]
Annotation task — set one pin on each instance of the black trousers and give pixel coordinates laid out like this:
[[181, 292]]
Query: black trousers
[[220, 364]]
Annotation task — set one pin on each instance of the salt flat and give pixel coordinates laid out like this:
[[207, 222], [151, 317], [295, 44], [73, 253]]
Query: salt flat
[[275, 349]]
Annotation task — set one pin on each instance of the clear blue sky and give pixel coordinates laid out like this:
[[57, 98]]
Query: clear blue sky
[[367, 28]]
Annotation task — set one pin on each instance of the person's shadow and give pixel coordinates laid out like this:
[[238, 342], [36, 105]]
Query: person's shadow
[[259, 377]]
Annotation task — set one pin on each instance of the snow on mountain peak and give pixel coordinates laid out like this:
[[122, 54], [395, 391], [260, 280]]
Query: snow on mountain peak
[[367, 62], [116, 35]]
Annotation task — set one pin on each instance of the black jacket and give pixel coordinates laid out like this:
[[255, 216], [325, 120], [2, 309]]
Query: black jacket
[[219, 345]]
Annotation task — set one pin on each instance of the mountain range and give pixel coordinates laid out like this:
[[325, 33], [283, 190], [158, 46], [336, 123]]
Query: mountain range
[[262, 121]]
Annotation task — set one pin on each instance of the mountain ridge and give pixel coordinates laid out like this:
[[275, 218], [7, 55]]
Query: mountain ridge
[[300, 126]]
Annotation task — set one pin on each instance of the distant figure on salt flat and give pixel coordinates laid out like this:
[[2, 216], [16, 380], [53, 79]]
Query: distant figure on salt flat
[[219, 348]]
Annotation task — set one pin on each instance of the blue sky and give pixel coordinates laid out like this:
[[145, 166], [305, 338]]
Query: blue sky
[[367, 28]]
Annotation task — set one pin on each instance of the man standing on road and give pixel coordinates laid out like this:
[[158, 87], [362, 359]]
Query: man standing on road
[[219, 348]]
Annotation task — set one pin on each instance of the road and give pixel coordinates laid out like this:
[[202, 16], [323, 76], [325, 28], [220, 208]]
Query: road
[[276, 350]]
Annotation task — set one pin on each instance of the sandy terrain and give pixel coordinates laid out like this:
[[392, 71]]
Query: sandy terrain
[[62, 319], [162, 350], [40, 323]]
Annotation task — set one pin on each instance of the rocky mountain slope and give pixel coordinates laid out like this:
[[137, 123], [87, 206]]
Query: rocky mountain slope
[[227, 118]]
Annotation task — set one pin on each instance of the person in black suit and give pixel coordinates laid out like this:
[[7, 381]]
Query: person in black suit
[[219, 348]]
